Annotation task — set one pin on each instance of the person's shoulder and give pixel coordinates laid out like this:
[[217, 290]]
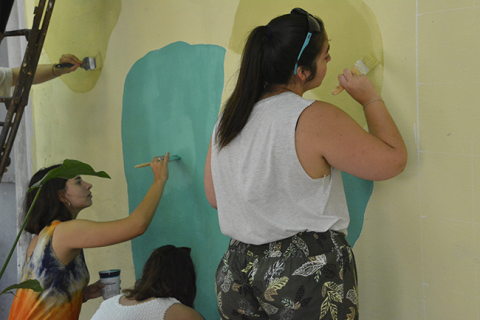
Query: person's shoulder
[[322, 110], [179, 311], [324, 105]]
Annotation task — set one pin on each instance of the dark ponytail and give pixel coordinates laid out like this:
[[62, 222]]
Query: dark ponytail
[[268, 59], [250, 86]]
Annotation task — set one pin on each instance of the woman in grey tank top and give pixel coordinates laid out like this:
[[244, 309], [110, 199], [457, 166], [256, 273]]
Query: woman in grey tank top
[[288, 257]]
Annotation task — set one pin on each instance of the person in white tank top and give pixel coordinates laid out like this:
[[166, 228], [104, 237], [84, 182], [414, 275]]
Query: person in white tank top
[[273, 173], [166, 290]]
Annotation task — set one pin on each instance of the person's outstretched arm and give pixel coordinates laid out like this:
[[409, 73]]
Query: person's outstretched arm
[[46, 72], [79, 233]]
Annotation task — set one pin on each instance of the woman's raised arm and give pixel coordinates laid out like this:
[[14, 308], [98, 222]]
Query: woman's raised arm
[[79, 233], [378, 154]]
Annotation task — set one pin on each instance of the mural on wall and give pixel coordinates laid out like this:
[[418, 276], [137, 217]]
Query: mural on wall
[[426, 224], [97, 20], [171, 101]]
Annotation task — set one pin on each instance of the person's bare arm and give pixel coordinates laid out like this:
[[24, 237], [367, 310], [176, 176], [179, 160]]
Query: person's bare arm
[[46, 72], [79, 233], [379, 154], [208, 180], [179, 311]]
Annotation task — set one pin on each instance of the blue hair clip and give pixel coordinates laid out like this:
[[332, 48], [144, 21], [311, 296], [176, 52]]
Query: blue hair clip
[[305, 44], [313, 26]]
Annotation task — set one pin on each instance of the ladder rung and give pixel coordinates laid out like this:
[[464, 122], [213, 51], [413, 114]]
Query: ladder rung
[[5, 99], [35, 40], [21, 32]]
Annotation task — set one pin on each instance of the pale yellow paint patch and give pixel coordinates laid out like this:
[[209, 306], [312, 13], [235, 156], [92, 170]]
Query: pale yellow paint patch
[[442, 178], [388, 252], [352, 30], [82, 28], [447, 304], [476, 202], [449, 118], [446, 51], [426, 6], [476, 232], [448, 255], [449, 75]]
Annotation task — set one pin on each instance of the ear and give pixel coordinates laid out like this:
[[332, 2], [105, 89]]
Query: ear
[[303, 73], [62, 197]]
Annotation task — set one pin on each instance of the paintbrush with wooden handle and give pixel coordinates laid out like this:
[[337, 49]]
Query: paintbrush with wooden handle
[[172, 158], [361, 67]]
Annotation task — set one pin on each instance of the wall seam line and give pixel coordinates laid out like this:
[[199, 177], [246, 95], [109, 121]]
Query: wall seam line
[[418, 157], [474, 228]]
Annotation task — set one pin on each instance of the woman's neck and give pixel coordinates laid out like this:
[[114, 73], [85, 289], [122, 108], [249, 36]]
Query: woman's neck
[[278, 89]]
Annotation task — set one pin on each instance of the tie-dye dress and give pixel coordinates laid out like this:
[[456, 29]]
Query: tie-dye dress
[[63, 284]]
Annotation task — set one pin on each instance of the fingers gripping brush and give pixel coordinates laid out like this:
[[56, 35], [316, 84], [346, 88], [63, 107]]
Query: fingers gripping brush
[[361, 67], [88, 63]]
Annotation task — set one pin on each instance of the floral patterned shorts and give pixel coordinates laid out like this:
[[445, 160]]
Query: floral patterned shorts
[[308, 276]]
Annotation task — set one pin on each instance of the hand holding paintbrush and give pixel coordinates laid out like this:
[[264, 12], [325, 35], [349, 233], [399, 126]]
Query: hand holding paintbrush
[[361, 67]]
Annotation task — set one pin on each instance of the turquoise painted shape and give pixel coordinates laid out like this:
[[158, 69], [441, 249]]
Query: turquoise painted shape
[[358, 192], [171, 101]]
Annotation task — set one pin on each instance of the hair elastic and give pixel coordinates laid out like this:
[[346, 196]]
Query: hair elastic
[[268, 34]]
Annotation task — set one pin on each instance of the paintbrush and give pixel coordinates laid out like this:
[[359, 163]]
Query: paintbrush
[[88, 63], [361, 67], [172, 158]]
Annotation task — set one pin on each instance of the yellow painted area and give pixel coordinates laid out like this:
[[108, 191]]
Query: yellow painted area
[[82, 28], [352, 37], [449, 91], [419, 252]]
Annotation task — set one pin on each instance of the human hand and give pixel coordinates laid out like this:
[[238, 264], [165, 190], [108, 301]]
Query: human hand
[[69, 58], [359, 87], [93, 291], [160, 167]]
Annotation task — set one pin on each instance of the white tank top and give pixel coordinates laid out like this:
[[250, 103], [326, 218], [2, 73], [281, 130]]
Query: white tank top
[[263, 193], [155, 309]]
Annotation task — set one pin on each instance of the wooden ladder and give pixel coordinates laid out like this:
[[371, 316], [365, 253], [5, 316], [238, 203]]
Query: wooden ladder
[[16, 104]]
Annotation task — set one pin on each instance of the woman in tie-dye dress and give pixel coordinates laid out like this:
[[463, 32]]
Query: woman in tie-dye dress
[[55, 254]]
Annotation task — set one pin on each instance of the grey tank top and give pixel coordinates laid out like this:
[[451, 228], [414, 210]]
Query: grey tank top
[[263, 193]]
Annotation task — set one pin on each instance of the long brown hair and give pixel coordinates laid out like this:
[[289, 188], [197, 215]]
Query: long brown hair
[[48, 206], [169, 272], [268, 59]]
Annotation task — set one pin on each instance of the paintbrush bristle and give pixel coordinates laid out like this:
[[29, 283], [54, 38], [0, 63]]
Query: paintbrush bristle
[[89, 63], [366, 64]]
